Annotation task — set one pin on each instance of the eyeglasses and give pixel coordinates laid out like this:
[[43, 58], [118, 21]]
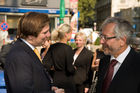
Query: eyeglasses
[[106, 38]]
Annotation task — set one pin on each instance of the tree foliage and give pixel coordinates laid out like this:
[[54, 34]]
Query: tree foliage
[[87, 12]]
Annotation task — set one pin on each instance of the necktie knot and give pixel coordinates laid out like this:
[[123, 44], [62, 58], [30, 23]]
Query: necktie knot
[[37, 53], [113, 62]]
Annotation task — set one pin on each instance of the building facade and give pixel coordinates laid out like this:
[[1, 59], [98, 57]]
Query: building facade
[[12, 10], [120, 8]]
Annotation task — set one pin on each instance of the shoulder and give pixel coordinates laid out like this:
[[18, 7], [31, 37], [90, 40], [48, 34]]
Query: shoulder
[[18, 48], [134, 54], [87, 51]]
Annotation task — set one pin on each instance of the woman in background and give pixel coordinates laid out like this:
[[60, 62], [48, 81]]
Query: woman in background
[[60, 57], [82, 61], [45, 47]]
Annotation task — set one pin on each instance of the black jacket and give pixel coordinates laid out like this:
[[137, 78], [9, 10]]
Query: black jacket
[[127, 78], [83, 63], [24, 72]]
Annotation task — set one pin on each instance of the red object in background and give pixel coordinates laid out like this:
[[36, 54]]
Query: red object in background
[[73, 0], [4, 26], [3, 41]]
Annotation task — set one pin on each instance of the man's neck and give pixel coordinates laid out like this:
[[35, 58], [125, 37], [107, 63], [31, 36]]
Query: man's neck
[[121, 51]]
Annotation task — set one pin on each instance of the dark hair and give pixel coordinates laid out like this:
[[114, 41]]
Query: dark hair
[[31, 23]]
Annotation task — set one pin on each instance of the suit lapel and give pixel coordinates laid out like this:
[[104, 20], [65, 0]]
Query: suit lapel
[[33, 56], [30, 52], [105, 65], [126, 65], [79, 56]]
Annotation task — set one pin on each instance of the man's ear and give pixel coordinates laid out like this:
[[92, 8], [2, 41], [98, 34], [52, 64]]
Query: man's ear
[[30, 37], [123, 41]]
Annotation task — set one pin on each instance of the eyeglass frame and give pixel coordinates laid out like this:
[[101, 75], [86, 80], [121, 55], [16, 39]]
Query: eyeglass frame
[[106, 38]]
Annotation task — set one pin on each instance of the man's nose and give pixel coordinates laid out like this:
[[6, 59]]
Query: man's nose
[[49, 34]]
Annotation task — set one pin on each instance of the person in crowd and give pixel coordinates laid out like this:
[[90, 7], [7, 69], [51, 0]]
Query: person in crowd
[[3, 53], [82, 62], [98, 54], [24, 72], [136, 43], [60, 57], [45, 48], [119, 69]]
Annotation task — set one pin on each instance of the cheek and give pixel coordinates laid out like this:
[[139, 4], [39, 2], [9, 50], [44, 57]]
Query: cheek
[[76, 42], [42, 38], [79, 43], [48, 34], [113, 47]]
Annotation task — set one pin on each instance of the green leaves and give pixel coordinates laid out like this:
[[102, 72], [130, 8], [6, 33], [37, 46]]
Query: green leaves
[[86, 9]]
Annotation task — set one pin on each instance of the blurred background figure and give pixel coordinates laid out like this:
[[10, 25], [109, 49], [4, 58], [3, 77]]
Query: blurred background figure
[[3, 53], [60, 57], [82, 62], [45, 48], [135, 43], [98, 54], [4, 38]]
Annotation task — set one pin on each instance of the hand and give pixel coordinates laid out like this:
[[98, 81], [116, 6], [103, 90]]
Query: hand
[[60, 90], [86, 90], [97, 61], [75, 67], [54, 88]]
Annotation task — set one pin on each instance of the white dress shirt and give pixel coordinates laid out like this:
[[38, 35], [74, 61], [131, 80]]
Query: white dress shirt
[[120, 60], [31, 46]]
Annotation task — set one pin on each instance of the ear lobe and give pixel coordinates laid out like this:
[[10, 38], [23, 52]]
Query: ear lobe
[[30, 37]]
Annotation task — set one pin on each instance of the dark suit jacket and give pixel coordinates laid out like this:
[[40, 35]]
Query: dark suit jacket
[[127, 78], [83, 62], [3, 53], [24, 72]]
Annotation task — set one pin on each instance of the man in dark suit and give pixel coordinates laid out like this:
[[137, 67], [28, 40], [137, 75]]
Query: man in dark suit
[[4, 51], [115, 39], [24, 72]]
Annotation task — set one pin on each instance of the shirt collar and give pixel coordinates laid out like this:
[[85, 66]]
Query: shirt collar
[[122, 56], [31, 46]]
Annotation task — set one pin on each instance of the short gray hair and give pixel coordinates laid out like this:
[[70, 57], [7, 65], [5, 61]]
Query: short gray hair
[[123, 28]]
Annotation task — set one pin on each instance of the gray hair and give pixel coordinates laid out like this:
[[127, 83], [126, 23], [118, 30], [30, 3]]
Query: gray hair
[[122, 28], [59, 33]]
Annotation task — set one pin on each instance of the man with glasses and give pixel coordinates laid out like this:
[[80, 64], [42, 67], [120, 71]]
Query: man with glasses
[[119, 69]]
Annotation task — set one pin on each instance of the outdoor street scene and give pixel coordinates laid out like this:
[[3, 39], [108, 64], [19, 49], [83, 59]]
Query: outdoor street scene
[[69, 46]]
